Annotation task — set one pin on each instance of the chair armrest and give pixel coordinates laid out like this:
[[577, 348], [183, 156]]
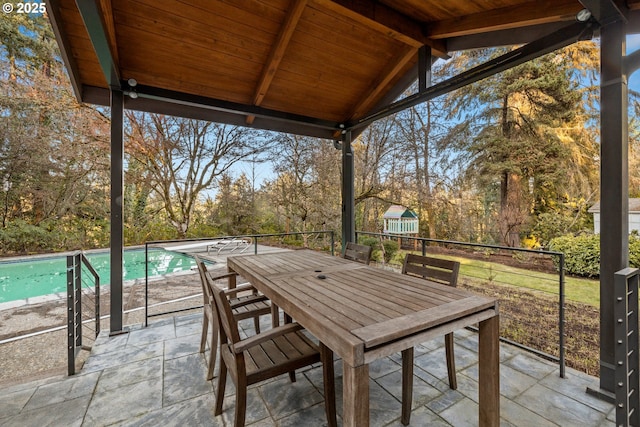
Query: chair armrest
[[233, 292], [251, 299], [265, 336], [222, 275]]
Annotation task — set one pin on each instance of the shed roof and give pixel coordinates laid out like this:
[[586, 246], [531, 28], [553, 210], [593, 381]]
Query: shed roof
[[304, 66], [634, 206], [397, 211]]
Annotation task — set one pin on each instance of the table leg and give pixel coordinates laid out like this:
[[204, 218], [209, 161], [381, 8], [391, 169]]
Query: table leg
[[489, 377], [355, 395]]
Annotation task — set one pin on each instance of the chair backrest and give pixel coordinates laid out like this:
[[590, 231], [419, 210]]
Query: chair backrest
[[356, 252], [436, 269], [202, 270], [229, 327]]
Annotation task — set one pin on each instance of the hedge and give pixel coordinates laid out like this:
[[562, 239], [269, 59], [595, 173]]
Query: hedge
[[582, 253]]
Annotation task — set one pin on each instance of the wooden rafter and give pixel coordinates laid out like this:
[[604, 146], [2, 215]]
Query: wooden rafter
[[531, 13], [277, 52], [385, 20], [377, 87]]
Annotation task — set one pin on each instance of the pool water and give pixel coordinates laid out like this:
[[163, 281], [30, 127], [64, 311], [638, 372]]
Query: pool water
[[42, 276]]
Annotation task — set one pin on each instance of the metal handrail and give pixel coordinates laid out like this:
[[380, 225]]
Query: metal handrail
[[75, 263], [560, 359], [255, 238]]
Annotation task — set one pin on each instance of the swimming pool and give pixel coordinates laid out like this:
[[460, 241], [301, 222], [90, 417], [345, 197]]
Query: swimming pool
[[35, 277]]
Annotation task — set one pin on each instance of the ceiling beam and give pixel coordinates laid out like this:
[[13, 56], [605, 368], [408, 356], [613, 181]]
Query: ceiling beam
[[535, 49], [385, 20], [203, 102], [110, 28], [277, 52], [53, 10], [532, 13], [100, 96], [98, 31], [511, 37], [605, 11]]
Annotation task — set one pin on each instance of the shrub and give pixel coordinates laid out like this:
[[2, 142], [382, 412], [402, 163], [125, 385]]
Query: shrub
[[390, 248], [582, 253]]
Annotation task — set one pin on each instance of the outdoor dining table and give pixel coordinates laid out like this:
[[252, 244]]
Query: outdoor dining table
[[363, 313]]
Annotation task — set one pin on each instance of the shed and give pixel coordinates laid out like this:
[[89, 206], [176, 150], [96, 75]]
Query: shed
[[634, 215], [400, 220]]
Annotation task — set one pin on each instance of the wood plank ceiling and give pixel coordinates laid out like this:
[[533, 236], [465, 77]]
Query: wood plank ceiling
[[304, 66]]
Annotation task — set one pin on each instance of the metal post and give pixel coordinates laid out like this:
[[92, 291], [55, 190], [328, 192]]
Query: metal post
[[424, 68], [348, 192], [626, 352], [146, 284], [333, 243], [561, 332], [117, 213], [614, 189], [71, 354]]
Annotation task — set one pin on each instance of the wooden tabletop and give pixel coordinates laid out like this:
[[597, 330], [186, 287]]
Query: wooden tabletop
[[356, 309]]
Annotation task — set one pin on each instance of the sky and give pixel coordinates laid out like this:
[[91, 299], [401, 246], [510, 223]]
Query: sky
[[633, 44]]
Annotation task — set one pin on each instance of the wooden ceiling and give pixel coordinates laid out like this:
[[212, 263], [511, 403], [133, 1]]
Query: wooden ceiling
[[303, 66]]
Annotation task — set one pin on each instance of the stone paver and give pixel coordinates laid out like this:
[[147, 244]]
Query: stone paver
[[156, 376]]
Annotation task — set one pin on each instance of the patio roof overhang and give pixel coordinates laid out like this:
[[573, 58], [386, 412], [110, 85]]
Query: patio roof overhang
[[327, 68], [310, 67]]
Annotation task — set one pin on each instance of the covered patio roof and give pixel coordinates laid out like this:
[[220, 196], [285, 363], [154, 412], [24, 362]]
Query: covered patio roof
[[328, 68], [310, 67]]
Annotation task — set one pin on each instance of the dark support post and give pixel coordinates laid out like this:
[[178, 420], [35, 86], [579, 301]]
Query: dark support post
[[348, 192], [424, 68], [117, 186], [614, 191]]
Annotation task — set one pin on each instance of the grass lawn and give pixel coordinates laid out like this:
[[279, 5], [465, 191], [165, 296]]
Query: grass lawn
[[586, 291]]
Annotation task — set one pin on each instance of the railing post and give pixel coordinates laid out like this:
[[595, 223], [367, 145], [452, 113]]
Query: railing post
[[561, 315], [333, 242], [71, 356], [626, 347], [146, 284]]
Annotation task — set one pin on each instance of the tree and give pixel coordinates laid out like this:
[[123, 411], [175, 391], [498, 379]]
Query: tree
[[305, 192], [375, 161], [184, 157], [52, 149], [234, 211], [528, 137]]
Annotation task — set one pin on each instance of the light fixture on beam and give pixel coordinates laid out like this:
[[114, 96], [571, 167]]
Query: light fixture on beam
[[132, 84], [583, 16]]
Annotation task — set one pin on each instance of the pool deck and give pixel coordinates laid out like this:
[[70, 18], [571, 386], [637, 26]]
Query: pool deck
[[155, 376], [199, 247]]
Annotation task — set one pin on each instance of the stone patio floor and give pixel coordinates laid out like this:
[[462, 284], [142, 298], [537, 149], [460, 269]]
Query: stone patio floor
[[156, 376]]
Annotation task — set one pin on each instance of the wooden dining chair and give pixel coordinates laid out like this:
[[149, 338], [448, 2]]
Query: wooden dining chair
[[356, 252], [251, 305], [269, 354], [436, 270]]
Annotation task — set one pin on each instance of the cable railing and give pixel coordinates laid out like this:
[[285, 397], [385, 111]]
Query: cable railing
[[525, 331], [485, 271], [183, 296], [83, 307]]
